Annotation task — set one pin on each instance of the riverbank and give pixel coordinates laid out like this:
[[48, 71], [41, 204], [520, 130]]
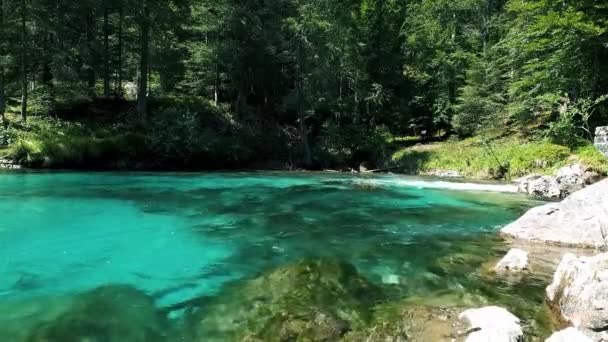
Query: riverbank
[[496, 157], [120, 143]]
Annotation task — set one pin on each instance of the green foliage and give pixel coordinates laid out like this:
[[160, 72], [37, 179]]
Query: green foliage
[[573, 126], [591, 157], [482, 98], [473, 158], [553, 48], [353, 145]]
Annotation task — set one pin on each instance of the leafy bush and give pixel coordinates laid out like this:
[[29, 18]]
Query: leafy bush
[[572, 125], [351, 145]]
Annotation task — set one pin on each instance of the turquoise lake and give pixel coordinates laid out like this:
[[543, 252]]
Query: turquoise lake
[[182, 236]]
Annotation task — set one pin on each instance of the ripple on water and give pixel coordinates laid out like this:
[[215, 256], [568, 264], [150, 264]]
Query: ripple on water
[[178, 237]]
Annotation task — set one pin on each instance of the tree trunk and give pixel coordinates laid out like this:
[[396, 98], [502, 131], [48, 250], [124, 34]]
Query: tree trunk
[[216, 83], [2, 40], [106, 47], [23, 63], [120, 23], [301, 109], [90, 43], [142, 93]]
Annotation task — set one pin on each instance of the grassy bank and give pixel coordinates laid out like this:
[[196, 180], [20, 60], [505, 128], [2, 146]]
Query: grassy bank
[[191, 134], [491, 157], [180, 134]]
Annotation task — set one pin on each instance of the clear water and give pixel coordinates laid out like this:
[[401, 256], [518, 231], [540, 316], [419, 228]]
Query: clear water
[[179, 236]]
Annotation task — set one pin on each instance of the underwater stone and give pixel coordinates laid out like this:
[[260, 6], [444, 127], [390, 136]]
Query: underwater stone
[[515, 260], [109, 314], [310, 300]]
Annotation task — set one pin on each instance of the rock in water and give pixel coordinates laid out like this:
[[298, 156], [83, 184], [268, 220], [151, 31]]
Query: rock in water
[[569, 335], [311, 300], [493, 324], [515, 260], [580, 220], [109, 314], [580, 291]]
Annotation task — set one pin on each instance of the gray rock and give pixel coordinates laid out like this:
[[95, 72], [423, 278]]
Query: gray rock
[[574, 170], [601, 139], [570, 179], [569, 335], [545, 187], [515, 260], [580, 291], [591, 177], [523, 183], [492, 323], [576, 221], [564, 182]]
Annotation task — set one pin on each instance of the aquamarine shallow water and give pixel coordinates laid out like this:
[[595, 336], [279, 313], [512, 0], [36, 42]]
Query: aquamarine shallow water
[[179, 236]]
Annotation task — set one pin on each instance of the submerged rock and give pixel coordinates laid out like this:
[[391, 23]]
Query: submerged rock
[[109, 314], [580, 220], [492, 323], [311, 300], [580, 292], [569, 335], [412, 323], [515, 260]]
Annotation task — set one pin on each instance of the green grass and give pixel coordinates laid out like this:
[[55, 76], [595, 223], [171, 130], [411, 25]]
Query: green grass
[[49, 143], [481, 157]]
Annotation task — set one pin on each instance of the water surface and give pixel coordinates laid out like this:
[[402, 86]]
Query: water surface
[[180, 236]]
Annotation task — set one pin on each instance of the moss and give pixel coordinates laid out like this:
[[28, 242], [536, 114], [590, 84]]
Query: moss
[[310, 300], [109, 313]]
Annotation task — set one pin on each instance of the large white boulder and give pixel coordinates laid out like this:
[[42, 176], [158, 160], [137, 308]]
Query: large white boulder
[[581, 220], [569, 335], [515, 260], [492, 324], [580, 292]]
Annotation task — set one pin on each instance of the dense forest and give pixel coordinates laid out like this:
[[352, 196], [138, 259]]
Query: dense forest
[[312, 83]]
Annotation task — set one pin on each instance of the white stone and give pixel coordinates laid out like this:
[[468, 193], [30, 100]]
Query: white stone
[[581, 220], [523, 183], [545, 187], [580, 291], [492, 324], [569, 335], [571, 170], [515, 260]]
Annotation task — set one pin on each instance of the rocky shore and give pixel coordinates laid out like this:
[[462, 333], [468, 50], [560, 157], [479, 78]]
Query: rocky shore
[[579, 290]]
